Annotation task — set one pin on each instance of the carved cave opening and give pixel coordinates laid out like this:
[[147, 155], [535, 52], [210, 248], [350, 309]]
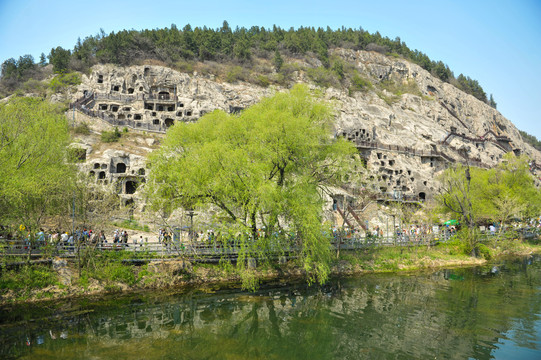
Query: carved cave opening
[[120, 168], [131, 187], [164, 95]]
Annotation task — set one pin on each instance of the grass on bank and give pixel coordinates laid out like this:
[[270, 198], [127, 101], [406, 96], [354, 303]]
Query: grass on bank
[[405, 258]]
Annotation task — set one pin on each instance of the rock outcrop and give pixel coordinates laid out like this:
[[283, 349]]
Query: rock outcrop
[[406, 139]]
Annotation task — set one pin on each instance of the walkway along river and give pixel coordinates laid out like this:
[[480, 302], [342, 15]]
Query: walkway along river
[[213, 251]]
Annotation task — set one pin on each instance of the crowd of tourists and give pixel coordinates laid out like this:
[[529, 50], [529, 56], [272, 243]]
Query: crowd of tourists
[[166, 237], [80, 236]]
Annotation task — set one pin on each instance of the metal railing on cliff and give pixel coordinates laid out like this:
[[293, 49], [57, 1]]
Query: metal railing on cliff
[[374, 145]]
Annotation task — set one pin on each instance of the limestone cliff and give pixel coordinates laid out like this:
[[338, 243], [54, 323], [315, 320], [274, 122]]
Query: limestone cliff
[[405, 138]]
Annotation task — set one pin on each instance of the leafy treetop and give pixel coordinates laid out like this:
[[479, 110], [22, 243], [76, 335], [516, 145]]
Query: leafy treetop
[[267, 167], [169, 45]]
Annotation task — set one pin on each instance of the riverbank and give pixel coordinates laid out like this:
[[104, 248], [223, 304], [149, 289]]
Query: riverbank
[[64, 280]]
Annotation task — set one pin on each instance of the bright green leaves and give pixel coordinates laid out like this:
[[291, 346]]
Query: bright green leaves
[[497, 194], [267, 167], [35, 175]]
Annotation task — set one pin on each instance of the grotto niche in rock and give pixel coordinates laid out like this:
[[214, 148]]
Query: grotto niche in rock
[[169, 122], [120, 168], [131, 187]]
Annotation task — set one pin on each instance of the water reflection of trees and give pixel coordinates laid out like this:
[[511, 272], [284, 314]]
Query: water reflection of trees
[[448, 314]]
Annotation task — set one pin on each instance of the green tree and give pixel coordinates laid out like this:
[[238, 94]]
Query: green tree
[[456, 197], [35, 178], [478, 196], [25, 65], [9, 68], [42, 60], [60, 59], [492, 102], [268, 167], [278, 61]]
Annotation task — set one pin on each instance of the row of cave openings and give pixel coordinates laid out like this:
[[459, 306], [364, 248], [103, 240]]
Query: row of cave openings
[[159, 107], [116, 88], [389, 174], [133, 79], [130, 186], [360, 134]]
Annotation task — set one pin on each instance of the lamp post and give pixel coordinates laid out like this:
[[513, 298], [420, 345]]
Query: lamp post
[[191, 214]]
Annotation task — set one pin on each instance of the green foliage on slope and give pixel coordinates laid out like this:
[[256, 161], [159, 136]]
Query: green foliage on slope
[[240, 45], [267, 167], [530, 139]]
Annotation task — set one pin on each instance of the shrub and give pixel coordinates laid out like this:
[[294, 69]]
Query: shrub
[[263, 81], [82, 129], [389, 100], [484, 251], [285, 76], [76, 154], [399, 88], [184, 66], [359, 84], [110, 136], [34, 86], [323, 77], [28, 277], [62, 81], [235, 74]]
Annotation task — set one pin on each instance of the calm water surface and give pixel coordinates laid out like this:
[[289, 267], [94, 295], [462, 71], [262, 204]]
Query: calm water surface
[[481, 313]]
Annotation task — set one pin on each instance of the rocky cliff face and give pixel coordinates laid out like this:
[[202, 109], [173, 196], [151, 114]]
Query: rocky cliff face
[[405, 138]]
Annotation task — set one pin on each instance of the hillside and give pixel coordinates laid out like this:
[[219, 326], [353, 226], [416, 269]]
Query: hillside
[[407, 124]]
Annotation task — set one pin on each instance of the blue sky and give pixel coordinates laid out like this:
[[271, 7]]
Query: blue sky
[[497, 43]]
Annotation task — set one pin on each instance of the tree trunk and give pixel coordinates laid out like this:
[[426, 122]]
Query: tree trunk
[[254, 225]]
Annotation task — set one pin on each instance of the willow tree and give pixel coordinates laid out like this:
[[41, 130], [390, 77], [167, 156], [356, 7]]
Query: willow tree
[[477, 196], [268, 167], [35, 177]]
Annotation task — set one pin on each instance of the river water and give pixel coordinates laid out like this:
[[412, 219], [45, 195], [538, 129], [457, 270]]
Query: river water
[[479, 313]]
